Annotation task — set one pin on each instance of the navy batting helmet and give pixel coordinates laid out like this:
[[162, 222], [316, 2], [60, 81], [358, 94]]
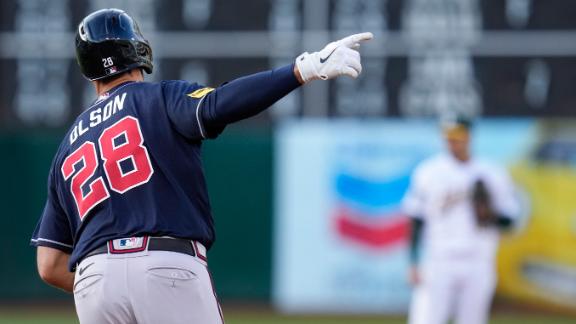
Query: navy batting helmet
[[109, 42]]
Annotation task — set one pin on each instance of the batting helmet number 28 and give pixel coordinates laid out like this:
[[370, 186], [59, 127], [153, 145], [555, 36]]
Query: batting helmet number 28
[[107, 62]]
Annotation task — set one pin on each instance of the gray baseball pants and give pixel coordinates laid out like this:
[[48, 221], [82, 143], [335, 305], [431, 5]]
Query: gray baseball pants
[[148, 287]]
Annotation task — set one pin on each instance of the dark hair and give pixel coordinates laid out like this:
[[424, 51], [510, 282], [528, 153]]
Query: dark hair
[[456, 121], [115, 77]]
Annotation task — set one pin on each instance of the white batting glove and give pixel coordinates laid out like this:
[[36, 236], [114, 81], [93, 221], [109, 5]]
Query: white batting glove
[[336, 59]]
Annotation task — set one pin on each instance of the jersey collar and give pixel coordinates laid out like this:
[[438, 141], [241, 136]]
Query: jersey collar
[[106, 94]]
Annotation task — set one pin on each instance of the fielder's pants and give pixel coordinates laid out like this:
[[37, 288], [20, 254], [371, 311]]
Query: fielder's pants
[[461, 291], [149, 287]]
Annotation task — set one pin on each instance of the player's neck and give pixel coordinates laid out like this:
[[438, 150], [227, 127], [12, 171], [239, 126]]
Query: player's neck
[[102, 88]]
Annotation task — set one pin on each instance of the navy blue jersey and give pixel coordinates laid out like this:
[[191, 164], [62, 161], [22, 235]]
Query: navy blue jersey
[[130, 165]]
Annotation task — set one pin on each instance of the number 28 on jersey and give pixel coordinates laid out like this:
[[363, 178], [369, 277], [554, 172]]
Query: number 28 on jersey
[[118, 144]]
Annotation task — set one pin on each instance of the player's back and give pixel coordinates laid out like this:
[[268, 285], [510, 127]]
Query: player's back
[[130, 165]]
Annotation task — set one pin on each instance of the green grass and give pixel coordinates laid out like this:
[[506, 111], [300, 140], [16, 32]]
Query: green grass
[[35, 316], [254, 318], [28, 319]]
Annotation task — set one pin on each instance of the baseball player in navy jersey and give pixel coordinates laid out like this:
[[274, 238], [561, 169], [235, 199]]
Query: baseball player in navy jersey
[[458, 204], [127, 220]]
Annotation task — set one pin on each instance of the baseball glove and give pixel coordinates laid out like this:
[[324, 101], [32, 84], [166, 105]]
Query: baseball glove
[[482, 204]]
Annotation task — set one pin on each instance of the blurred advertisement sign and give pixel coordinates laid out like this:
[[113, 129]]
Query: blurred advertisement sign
[[341, 240], [340, 237], [538, 265]]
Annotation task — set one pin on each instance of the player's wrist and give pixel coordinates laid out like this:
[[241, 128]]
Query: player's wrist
[[306, 68], [298, 74]]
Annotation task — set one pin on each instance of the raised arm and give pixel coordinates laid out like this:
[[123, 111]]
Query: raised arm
[[249, 95]]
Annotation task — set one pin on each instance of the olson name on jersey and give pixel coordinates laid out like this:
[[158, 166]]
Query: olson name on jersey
[[97, 116]]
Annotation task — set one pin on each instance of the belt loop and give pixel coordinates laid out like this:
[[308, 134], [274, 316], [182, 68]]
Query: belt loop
[[109, 246], [200, 251], [147, 242]]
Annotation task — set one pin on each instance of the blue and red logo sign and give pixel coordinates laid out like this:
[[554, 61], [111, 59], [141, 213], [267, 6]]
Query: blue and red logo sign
[[368, 209]]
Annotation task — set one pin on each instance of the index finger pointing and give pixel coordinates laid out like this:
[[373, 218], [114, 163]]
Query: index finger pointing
[[356, 38]]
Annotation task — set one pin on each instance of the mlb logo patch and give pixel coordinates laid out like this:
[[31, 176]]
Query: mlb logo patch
[[129, 244], [111, 70]]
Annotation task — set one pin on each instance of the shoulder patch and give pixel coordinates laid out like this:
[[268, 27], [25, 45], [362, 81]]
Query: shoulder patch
[[199, 93]]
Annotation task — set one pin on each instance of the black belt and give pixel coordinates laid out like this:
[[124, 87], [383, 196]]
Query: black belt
[[156, 244]]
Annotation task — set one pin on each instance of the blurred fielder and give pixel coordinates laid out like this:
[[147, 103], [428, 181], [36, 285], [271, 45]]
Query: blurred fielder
[[127, 220], [457, 204]]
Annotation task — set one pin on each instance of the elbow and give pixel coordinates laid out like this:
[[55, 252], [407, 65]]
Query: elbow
[[53, 268], [47, 274], [50, 264]]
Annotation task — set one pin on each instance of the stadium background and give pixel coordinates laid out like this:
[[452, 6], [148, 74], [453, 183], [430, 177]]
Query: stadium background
[[505, 61]]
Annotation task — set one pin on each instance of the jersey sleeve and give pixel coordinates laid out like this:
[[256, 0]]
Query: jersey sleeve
[[247, 96], [53, 228], [183, 103], [202, 112], [414, 199], [504, 195]]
